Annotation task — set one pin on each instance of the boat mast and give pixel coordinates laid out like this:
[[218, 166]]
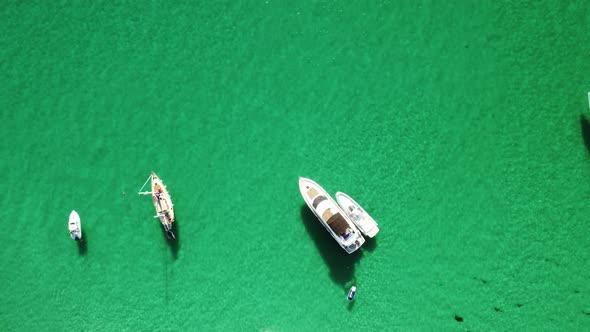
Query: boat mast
[[145, 192]]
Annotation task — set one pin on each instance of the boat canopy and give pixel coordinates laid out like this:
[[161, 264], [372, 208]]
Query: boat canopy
[[311, 192], [318, 200], [336, 222]]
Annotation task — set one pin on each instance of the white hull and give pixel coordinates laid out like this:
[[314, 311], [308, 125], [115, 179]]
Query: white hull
[[75, 226], [359, 217], [336, 222]]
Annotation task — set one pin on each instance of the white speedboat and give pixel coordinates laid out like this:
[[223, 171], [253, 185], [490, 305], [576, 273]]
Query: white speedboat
[[359, 217], [331, 216], [75, 226], [162, 203]]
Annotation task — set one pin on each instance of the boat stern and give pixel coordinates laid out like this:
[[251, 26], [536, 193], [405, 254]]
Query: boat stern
[[356, 243], [372, 232]]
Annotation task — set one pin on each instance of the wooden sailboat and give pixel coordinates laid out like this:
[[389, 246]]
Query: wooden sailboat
[[162, 203]]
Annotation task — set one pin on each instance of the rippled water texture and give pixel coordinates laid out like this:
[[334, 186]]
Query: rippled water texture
[[461, 127]]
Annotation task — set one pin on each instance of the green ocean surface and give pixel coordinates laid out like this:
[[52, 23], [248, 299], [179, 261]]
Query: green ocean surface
[[461, 127]]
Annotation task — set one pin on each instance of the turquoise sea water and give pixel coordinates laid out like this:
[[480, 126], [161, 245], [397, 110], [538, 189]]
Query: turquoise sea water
[[461, 127]]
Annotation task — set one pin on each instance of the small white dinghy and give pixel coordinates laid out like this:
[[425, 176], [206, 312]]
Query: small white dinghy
[[359, 217], [75, 226]]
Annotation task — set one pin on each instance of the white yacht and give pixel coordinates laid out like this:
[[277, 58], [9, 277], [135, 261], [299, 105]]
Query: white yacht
[[75, 226], [359, 217], [331, 216]]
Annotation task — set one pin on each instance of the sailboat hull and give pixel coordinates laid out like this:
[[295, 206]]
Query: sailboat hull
[[163, 204]]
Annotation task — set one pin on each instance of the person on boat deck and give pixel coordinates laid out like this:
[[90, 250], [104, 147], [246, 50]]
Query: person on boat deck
[[158, 190], [355, 212], [346, 234]]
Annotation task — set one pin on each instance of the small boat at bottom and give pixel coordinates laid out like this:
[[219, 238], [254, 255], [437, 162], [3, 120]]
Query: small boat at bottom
[[351, 293], [336, 222], [162, 203], [360, 218], [75, 226]]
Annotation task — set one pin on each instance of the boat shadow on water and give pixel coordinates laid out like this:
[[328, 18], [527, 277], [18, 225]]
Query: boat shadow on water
[[350, 305], [340, 263], [83, 244], [370, 244], [585, 124], [174, 244]]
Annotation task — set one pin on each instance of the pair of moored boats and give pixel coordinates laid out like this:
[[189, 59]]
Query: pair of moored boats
[[345, 221]]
